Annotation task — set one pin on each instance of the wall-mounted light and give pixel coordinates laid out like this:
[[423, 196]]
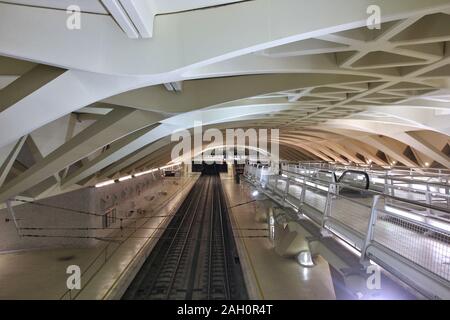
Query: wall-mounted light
[[125, 178], [145, 172], [104, 184]]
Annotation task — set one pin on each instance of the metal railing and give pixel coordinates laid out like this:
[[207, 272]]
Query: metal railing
[[416, 231], [419, 188], [425, 176], [395, 169], [109, 249]]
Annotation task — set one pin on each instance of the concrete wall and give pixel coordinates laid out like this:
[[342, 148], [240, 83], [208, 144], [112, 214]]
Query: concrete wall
[[63, 226], [45, 215]]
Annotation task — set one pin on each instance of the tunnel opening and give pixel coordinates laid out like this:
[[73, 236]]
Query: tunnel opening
[[208, 168]]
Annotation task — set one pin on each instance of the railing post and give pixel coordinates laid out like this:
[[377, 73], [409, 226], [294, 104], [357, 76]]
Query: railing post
[[303, 194], [286, 191], [327, 211], [13, 215], [447, 192], [370, 230], [275, 187], [428, 199], [386, 188]]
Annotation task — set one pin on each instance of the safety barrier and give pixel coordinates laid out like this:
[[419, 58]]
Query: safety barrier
[[415, 232], [423, 188]]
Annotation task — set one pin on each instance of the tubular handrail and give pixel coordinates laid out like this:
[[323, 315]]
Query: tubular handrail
[[416, 179], [368, 192], [375, 171], [374, 192], [417, 190], [329, 172], [401, 231], [386, 168], [395, 178]]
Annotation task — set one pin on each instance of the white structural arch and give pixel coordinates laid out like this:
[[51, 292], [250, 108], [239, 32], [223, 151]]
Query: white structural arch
[[80, 106]]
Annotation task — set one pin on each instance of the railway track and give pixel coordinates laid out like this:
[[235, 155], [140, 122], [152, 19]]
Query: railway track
[[196, 258]]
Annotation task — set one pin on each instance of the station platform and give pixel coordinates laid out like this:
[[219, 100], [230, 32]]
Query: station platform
[[268, 275], [106, 269]]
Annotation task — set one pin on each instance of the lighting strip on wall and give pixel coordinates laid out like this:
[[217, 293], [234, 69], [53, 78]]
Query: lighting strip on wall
[[128, 177]]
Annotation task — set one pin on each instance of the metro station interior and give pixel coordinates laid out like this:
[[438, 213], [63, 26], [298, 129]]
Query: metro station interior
[[119, 180]]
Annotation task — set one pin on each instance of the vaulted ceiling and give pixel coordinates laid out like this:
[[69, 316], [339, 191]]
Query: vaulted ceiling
[[78, 106]]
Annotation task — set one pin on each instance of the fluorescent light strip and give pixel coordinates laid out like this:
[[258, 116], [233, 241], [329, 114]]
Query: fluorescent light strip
[[125, 178], [109, 182], [145, 172], [103, 184]]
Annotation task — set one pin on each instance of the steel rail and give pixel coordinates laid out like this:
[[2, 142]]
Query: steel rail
[[175, 237], [172, 280], [222, 228]]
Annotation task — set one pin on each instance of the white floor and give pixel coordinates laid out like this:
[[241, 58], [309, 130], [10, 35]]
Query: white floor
[[269, 275]]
